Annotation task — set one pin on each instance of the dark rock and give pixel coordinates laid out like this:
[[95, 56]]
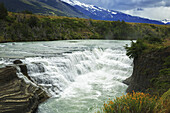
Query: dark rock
[[146, 67], [23, 68], [17, 62], [17, 96], [24, 71]]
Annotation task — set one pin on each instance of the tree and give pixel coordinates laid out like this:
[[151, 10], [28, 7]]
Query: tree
[[33, 21], [3, 11], [26, 12]]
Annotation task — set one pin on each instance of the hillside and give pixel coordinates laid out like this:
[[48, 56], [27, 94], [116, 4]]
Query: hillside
[[52, 7], [26, 27]]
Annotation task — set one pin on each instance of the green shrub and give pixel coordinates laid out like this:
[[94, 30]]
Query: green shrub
[[131, 103], [136, 49], [33, 21], [153, 39], [167, 62]]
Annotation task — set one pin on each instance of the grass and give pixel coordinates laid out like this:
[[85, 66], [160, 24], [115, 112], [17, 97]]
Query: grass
[[163, 104]]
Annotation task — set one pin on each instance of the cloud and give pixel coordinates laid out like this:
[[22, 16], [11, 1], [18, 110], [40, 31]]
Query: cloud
[[156, 13], [127, 4], [153, 9]]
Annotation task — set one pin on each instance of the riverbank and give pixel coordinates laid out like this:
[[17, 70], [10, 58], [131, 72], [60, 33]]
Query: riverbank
[[151, 66], [17, 93], [149, 86]]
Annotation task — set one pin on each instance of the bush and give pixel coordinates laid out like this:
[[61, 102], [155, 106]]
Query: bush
[[33, 21], [163, 105], [131, 103], [153, 39], [136, 49]]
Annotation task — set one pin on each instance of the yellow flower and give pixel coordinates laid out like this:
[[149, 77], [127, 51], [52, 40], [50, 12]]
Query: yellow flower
[[111, 102]]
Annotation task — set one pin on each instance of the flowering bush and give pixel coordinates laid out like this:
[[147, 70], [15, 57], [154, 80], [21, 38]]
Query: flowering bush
[[131, 103]]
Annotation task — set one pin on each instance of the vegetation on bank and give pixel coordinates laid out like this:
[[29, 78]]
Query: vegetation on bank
[[138, 103], [160, 83], [145, 45], [29, 27], [131, 103], [158, 98]]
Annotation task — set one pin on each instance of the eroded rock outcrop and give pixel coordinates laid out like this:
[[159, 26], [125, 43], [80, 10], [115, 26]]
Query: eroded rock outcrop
[[146, 67], [17, 96]]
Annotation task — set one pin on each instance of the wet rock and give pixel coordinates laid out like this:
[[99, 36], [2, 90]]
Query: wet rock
[[23, 68], [17, 96], [17, 62]]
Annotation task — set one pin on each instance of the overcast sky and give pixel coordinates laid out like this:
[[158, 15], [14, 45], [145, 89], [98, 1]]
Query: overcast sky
[[153, 9]]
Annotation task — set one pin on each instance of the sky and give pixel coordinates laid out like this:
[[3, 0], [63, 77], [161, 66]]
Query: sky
[[152, 9]]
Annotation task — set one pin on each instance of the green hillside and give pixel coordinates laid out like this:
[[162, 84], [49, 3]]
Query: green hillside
[[55, 7], [26, 27]]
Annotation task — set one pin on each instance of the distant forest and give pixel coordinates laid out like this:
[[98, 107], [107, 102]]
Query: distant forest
[[25, 26]]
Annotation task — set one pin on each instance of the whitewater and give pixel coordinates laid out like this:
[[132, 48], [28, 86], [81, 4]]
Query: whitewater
[[79, 75]]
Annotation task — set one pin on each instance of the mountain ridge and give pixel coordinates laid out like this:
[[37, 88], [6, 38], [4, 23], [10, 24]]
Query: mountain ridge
[[99, 13], [49, 7], [74, 8]]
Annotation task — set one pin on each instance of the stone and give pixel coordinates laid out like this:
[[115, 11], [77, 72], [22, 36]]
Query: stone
[[17, 62], [17, 96]]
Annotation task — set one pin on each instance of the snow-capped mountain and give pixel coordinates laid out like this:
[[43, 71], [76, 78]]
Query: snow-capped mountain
[[166, 21], [99, 13]]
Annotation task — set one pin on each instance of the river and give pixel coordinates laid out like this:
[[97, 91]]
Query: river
[[80, 75]]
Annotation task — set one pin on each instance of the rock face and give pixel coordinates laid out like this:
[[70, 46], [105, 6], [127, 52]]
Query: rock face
[[17, 96], [146, 67]]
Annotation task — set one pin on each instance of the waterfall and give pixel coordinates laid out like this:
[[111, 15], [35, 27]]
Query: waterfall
[[79, 75], [56, 73]]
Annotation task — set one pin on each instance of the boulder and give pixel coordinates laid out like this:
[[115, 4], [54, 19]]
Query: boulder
[[17, 62]]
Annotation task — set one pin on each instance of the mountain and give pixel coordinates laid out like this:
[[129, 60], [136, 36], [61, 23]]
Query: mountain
[[99, 13], [55, 7], [73, 8], [166, 21]]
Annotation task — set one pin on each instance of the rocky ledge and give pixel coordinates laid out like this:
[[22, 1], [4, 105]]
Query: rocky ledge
[[146, 67], [17, 96]]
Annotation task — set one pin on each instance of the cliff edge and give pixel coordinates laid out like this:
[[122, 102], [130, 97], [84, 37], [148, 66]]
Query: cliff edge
[[147, 69], [17, 96]]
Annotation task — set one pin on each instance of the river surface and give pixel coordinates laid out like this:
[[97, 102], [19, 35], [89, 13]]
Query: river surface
[[80, 75]]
